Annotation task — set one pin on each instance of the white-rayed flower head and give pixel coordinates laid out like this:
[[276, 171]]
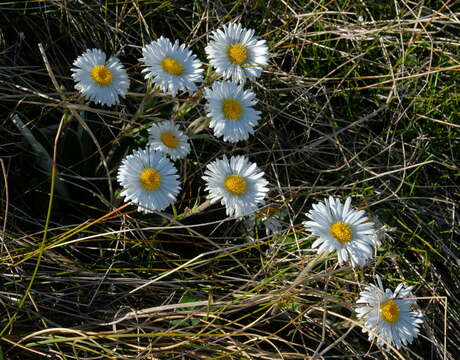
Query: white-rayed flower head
[[149, 179], [389, 315], [239, 184], [270, 216], [230, 108], [99, 80], [236, 53], [168, 138], [342, 229], [381, 231], [171, 66]]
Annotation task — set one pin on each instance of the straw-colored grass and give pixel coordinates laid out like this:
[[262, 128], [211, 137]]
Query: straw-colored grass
[[360, 99]]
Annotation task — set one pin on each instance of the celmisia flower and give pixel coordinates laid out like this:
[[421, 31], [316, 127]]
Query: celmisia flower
[[270, 216], [381, 231], [167, 137], [171, 66], [342, 229], [238, 183], [149, 179], [236, 53], [100, 80], [230, 108], [389, 314]]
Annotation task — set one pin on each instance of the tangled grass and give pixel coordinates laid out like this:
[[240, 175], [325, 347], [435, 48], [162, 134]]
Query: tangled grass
[[360, 99]]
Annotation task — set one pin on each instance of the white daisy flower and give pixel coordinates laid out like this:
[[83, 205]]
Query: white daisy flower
[[230, 108], [272, 217], [237, 182], [381, 231], [269, 215], [389, 314], [100, 80], [342, 229], [167, 138], [236, 53], [171, 66], [149, 180]]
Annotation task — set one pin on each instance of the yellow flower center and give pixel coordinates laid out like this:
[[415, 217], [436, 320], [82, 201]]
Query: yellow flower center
[[101, 75], [172, 66], [169, 139], [236, 184], [389, 311], [150, 179], [232, 109], [267, 212], [237, 53], [341, 232]]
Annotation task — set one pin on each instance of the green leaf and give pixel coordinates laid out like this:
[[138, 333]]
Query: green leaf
[[45, 161]]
